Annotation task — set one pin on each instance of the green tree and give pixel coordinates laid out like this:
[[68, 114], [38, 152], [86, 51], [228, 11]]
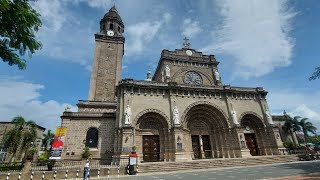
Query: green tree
[[307, 127], [19, 139], [314, 139], [47, 139], [316, 74], [291, 126], [18, 24]]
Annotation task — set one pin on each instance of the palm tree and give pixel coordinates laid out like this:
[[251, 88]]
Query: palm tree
[[307, 127], [291, 125], [20, 137], [47, 139]]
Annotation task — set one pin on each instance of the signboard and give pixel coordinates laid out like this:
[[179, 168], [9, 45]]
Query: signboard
[[133, 161], [58, 143]]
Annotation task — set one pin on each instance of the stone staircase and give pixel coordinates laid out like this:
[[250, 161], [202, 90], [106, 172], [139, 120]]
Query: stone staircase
[[213, 163]]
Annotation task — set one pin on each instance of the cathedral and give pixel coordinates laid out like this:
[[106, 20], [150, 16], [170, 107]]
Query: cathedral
[[181, 113]]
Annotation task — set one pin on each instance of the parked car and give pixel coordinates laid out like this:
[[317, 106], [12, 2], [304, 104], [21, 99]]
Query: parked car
[[317, 148], [309, 153]]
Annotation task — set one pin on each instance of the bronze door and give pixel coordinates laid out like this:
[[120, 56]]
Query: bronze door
[[196, 147], [251, 144], [151, 148], [206, 146]]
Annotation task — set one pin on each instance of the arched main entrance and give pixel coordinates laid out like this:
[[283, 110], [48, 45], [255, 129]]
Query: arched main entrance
[[210, 136], [152, 135], [253, 134]]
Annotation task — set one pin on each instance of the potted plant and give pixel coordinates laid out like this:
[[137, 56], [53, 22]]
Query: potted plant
[[86, 153], [43, 160], [133, 149], [30, 153]]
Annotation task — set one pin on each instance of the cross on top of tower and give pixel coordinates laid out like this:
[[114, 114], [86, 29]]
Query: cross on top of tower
[[186, 43]]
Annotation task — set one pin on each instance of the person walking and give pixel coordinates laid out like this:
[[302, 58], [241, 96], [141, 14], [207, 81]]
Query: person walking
[[86, 170]]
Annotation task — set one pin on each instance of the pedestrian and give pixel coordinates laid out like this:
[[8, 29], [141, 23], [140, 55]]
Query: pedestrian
[[86, 170]]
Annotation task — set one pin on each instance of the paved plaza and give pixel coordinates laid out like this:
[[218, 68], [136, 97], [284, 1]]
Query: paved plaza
[[299, 170]]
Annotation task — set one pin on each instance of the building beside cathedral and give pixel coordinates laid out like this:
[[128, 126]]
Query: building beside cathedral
[[183, 112]]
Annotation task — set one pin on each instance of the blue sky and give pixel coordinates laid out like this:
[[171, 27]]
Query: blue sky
[[259, 43]]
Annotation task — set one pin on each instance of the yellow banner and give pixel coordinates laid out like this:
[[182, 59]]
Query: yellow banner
[[60, 131]]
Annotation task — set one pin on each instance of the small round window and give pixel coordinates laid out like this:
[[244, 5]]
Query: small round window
[[193, 78]]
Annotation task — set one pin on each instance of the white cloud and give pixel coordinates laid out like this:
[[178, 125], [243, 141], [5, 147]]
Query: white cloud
[[304, 111], [190, 28], [92, 3], [19, 97], [64, 35], [296, 103], [142, 33], [256, 34]]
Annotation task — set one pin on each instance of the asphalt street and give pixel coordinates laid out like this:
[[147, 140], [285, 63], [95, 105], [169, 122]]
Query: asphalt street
[[238, 173]]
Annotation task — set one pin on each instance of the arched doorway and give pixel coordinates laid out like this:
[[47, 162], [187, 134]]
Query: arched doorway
[[253, 134], [152, 136], [210, 135]]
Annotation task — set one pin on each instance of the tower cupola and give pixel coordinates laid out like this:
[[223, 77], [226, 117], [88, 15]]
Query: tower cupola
[[111, 24]]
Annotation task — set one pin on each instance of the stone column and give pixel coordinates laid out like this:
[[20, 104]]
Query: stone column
[[222, 147], [201, 147], [273, 141]]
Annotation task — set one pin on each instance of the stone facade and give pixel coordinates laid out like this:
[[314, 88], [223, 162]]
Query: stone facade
[[183, 113]]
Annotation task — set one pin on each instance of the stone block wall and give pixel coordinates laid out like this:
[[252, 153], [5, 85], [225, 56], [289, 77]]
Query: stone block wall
[[76, 131]]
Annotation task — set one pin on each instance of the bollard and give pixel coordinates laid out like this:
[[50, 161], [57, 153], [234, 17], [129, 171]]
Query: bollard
[[77, 174], [88, 173], [19, 177], [43, 175], [128, 169], [8, 175], [55, 175], [118, 171], [31, 177], [66, 176], [99, 173], [108, 172]]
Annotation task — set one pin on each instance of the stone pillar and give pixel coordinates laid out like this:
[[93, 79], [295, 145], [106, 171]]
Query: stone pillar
[[222, 147], [226, 142], [245, 152], [179, 145], [127, 140], [201, 147], [273, 140]]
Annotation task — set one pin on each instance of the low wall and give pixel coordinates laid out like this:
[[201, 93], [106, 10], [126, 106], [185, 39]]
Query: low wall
[[61, 174]]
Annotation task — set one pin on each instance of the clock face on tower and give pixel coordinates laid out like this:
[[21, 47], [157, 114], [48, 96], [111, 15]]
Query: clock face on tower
[[110, 33], [193, 78]]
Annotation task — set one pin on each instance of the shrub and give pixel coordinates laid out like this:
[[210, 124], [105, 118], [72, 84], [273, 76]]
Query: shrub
[[7, 167], [86, 153], [288, 144]]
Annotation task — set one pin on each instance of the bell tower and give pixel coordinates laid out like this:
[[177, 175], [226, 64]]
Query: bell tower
[[107, 62]]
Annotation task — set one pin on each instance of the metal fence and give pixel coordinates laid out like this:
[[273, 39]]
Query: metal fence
[[113, 162]]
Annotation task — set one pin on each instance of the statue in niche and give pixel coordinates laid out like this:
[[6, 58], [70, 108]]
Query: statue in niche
[[127, 115], [269, 118], [175, 114], [234, 117], [217, 75], [167, 71]]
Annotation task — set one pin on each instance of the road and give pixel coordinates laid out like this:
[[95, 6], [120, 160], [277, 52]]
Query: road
[[236, 173]]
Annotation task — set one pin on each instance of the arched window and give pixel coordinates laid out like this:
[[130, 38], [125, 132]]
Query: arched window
[[111, 26], [92, 138]]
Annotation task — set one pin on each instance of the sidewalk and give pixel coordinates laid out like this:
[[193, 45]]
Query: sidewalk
[[312, 176]]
